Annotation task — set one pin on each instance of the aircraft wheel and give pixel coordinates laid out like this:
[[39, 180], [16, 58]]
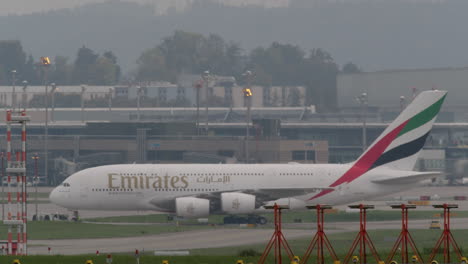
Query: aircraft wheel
[[262, 220]]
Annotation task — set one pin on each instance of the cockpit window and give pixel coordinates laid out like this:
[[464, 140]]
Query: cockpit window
[[65, 184]]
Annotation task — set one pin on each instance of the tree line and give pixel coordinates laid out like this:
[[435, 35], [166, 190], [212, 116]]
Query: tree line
[[187, 53], [276, 65], [88, 67]]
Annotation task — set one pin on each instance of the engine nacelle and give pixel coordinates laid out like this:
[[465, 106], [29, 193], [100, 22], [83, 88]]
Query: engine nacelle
[[292, 203], [191, 207], [237, 203]]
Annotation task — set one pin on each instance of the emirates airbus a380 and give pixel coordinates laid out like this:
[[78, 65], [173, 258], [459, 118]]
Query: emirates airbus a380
[[196, 190]]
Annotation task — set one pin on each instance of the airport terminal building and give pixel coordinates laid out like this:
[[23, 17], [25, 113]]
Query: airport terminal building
[[84, 136], [300, 136]]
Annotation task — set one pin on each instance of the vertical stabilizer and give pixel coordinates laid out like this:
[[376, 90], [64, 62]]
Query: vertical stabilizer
[[401, 142]]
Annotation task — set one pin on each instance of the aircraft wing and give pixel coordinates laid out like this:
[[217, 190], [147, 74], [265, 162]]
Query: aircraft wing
[[407, 177], [269, 194], [262, 195]]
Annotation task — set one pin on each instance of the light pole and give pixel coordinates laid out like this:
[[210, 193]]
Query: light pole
[[52, 93], [36, 182], [3, 187], [198, 86], [13, 95], [45, 62], [206, 79], [25, 95], [247, 91], [139, 90], [306, 149], [402, 103], [363, 101], [83, 90], [111, 93]]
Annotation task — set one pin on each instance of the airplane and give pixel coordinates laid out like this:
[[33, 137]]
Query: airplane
[[197, 190]]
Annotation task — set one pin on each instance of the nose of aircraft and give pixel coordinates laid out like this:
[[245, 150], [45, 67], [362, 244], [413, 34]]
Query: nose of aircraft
[[54, 196]]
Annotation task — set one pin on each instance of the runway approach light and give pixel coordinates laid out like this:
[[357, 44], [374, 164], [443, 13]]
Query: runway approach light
[[247, 92], [45, 61], [434, 262], [464, 260], [355, 259], [295, 260]]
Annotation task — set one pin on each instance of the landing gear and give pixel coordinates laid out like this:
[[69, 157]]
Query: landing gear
[[251, 219], [75, 216], [262, 220]]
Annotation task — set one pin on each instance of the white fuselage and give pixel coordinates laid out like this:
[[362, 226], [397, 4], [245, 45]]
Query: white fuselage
[[146, 186]]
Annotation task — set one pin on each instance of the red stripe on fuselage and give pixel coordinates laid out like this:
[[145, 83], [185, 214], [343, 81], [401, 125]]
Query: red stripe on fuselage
[[365, 162]]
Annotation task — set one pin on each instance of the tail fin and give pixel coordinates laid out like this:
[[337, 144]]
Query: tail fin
[[401, 142]]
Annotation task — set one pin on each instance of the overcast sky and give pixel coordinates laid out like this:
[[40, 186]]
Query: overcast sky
[[30, 6]]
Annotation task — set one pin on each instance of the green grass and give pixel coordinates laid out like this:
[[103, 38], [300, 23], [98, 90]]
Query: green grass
[[153, 218], [71, 230], [289, 217], [383, 241], [125, 259]]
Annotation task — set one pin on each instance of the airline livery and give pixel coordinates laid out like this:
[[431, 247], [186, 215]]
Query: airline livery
[[196, 190]]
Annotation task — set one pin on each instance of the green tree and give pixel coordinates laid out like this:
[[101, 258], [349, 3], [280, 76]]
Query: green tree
[[234, 60], [31, 72], [105, 72], [62, 71], [182, 53], [111, 56], [83, 66], [282, 63], [321, 72], [185, 52], [12, 57], [350, 68], [152, 66]]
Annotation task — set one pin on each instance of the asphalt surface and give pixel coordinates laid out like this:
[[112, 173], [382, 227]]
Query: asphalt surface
[[170, 241]]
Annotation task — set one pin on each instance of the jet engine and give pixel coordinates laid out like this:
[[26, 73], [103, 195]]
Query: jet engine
[[191, 207], [237, 203]]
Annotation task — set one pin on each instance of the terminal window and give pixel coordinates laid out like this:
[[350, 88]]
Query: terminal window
[[303, 155]]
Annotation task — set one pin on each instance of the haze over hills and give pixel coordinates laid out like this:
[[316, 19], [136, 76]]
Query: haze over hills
[[375, 35], [162, 6]]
